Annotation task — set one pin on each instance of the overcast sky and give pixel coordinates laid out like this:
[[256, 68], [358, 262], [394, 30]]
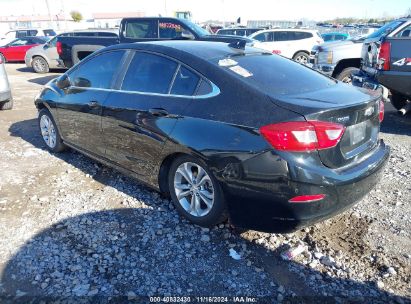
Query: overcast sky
[[219, 9]]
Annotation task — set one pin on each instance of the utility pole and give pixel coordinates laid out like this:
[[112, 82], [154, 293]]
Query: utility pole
[[48, 10], [165, 8]]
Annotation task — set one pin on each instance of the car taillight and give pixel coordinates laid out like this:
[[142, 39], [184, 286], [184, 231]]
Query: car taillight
[[300, 136], [382, 108], [278, 52], [384, 56], [307, 198], [59, 48]]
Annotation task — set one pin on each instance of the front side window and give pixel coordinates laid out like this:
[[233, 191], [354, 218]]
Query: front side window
[[149, 73], [19, 42], [185, 82], [97, 72], [263, 37], [142, 29]]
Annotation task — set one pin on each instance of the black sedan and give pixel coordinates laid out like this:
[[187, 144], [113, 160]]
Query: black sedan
[[228, 131]]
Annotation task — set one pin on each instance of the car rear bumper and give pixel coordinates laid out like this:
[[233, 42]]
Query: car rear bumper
[[269, 210]]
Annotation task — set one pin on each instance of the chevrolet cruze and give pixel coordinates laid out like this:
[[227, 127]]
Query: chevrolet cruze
[[226, 130]]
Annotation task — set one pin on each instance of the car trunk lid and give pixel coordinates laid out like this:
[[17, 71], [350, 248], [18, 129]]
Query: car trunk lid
[[356, 110]]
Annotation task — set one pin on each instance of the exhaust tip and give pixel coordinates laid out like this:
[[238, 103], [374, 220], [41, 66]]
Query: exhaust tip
[[405, 109]]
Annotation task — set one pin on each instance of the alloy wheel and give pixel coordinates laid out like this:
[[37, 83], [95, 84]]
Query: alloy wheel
[[48, 131], [39, 65], [194, 189], [302, 59]]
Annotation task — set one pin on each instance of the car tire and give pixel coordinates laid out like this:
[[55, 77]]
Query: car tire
[[49, 132], [398, 100], [201, 202], [8, 105], [345, 75], [2, 58], [302, 57], [40, 65]]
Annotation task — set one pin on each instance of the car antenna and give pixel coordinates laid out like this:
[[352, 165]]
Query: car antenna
[[238, 44]]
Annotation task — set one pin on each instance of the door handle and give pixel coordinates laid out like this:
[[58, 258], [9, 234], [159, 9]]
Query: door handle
[[158, 112], [93, 104]]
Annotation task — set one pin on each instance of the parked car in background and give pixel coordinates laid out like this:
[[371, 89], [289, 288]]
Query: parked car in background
[[6, 101], [291, 43], [73, 49], [16, 49], [44, 57], [240, 31], [334, 36], [342, 58], [386, 62], [176, 115], [12, 35]]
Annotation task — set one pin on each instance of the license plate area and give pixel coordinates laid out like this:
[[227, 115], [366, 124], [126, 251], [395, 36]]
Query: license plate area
[[357, 133]]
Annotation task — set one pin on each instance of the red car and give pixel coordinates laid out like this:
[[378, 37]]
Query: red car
[[16, 49]]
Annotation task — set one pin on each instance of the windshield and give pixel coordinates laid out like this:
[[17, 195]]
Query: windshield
[[196, 28], [274, 74], [388, 28]]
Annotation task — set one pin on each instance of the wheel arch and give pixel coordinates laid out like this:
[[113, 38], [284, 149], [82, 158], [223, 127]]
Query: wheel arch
[[165, 168], [301, 51], [346, 63]]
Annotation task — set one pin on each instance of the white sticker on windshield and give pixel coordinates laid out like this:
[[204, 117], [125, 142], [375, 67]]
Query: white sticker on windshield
[[227, 62], [241, 71]]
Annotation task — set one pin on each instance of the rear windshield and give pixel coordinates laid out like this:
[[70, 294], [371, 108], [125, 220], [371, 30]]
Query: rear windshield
[[276, 75]]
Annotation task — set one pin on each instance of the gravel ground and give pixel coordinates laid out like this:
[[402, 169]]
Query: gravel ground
[[74, 229]]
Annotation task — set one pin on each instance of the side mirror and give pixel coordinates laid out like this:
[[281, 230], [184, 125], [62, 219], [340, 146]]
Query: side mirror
[[82, 82], [187, 35], [46, 45], [63, 82]]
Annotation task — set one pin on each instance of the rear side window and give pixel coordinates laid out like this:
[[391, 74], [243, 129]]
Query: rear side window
[[171, 30], [142, 29], [149, 73], [97, 72], [405, 33], [283, 36], [185, 82], [278, 76], [49, 33], [21, 34], [302, 35], [33, 32], [226, 32]]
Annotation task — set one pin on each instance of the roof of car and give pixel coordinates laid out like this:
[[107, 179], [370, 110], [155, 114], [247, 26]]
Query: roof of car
[[288, 30], [202, 49]]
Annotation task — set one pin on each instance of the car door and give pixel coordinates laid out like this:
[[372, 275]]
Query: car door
[[137, 119], [267, 40], [284, 43], [79, 108], [14, 50]]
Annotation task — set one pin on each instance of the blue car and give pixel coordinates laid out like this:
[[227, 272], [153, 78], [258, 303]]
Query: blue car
[[329, 37]]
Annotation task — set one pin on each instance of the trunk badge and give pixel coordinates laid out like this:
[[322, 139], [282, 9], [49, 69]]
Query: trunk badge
[[369, 111]]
